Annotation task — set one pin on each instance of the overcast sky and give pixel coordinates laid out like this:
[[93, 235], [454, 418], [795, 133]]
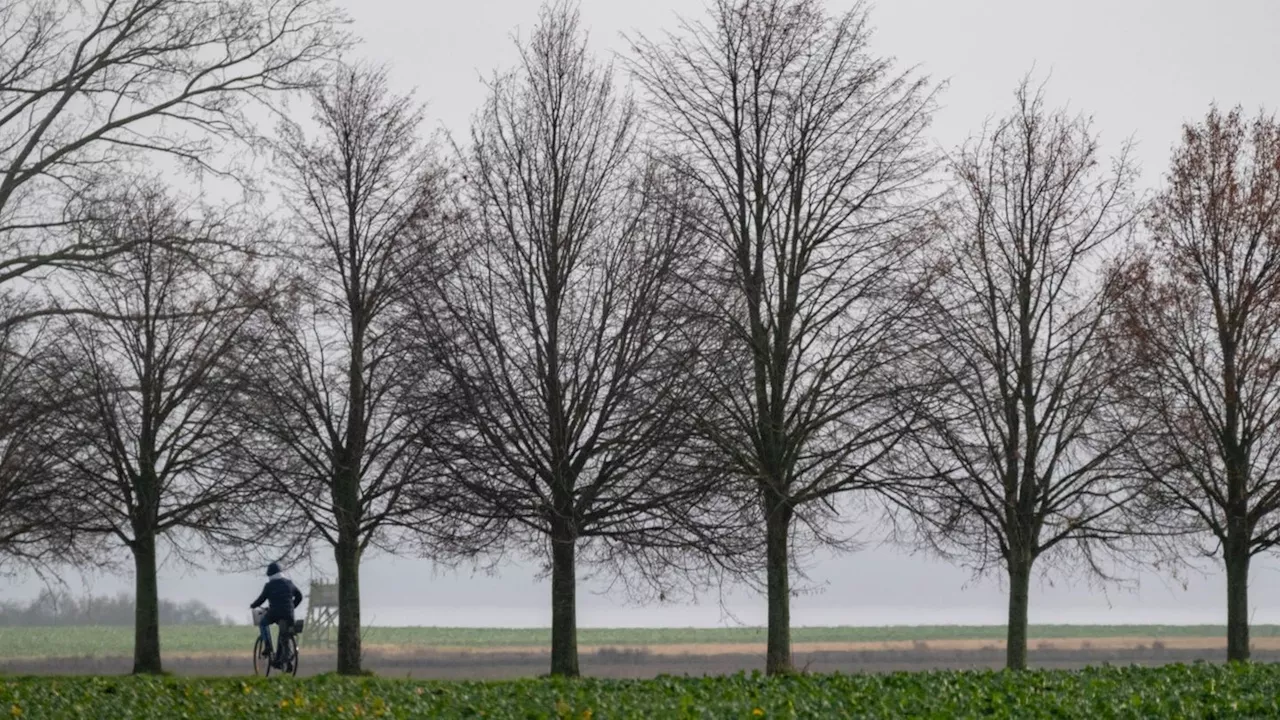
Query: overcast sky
[[1139, 67]]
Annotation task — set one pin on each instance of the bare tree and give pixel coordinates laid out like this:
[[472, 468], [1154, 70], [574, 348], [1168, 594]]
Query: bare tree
[[1201, 318], [1017, 446], [808, 147], [147, 446], [85, 84], [338, 437], [565, 332], [33, 531]]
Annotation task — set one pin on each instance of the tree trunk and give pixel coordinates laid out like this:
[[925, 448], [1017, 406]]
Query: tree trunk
[[777, 527], [347, 553], [1019, 599], [564, 606], [146, 620], [1237, 558]]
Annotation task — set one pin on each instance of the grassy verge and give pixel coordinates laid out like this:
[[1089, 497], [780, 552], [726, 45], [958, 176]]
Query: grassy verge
[[107, 641], [1198, 691]]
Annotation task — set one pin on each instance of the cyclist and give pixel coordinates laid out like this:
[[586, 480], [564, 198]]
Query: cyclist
[[283, 597]]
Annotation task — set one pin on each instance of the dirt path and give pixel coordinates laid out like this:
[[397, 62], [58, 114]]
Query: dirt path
[[1107, 643], [646, 661]]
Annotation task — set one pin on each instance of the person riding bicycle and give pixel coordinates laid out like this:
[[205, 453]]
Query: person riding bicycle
[[283, 597]]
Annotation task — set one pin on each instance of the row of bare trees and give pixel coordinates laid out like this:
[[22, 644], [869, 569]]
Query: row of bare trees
[[672, 338], [122, 305]]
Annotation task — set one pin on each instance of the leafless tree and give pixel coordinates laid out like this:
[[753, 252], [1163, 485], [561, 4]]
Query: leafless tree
[[808, 147], [565, 331], [1018, 443], [1201, 318], [33, 534], [86, 84], [337, 436], [146, 444]]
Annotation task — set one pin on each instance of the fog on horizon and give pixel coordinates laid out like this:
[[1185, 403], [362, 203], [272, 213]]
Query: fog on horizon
[[1139, 68], [871, 587]]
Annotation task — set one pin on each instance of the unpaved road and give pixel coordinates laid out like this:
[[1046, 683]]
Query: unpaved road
[[649, 661], [1106, 643]]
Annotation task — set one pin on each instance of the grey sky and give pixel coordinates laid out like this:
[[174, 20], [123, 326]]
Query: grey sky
[[1139, 67]]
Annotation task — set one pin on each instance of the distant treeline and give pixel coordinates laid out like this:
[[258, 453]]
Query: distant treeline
[[61, 608]]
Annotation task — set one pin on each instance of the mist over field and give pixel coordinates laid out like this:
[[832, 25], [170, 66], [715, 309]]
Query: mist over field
[[877, 586], [638, 340]]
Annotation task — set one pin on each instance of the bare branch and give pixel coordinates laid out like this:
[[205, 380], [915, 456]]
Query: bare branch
[[1202, 318], [808, 150]]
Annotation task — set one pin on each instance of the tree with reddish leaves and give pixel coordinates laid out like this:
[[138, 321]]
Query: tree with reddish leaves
[[1201, 320]]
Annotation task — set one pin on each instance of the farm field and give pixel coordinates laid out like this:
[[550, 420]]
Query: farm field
[[496, 654], [39, 642], [1196, 691]]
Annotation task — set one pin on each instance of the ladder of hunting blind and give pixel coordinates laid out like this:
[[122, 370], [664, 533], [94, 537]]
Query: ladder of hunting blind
[[322, 614]]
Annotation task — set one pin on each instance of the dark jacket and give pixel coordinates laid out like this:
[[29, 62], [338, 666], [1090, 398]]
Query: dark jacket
[[282, 595]]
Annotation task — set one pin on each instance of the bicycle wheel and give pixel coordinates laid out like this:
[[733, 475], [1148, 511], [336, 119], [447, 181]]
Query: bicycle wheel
[[260, 663], [291, 665]]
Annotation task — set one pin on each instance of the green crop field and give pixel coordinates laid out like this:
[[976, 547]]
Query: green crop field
[[1181, 691], [111, 641]]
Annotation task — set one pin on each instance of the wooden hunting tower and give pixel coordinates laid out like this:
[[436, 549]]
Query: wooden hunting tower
[[322, 614]]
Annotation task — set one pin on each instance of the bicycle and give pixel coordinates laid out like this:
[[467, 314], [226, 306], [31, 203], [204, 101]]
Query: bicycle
[[286, 644]]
